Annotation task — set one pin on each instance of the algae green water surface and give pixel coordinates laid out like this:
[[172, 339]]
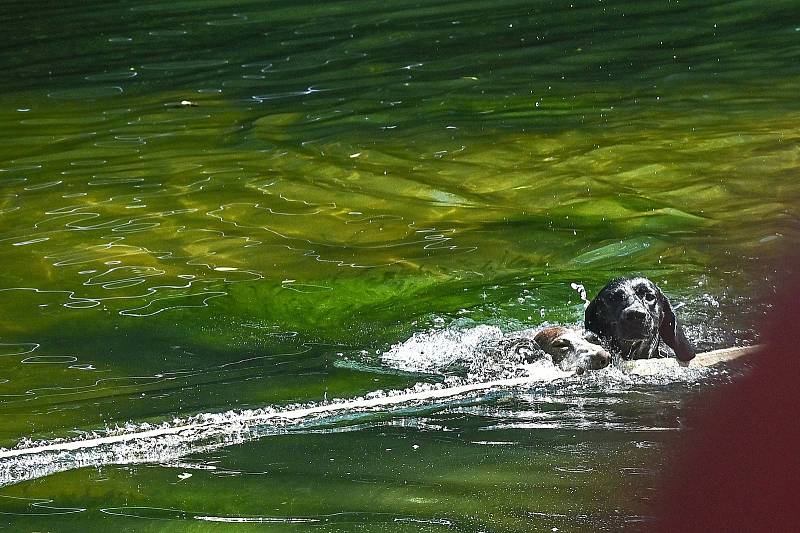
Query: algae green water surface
[[352, 173]]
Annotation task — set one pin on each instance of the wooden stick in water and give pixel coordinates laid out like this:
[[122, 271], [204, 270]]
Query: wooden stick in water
[[650, 367]]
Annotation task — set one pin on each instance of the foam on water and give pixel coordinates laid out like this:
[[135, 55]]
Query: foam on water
[[473, 354], [442, 351]]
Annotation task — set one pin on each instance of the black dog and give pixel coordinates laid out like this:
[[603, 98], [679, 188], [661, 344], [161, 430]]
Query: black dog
[[631, 316]]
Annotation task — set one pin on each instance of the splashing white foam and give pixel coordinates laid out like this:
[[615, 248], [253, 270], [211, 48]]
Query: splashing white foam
[[440, 351], [581, 290]]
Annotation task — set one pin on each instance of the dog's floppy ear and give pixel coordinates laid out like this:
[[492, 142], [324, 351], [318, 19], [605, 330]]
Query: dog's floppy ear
[[592, 320], [672, 332]]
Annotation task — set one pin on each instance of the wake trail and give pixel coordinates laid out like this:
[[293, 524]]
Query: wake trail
[[146, 443]]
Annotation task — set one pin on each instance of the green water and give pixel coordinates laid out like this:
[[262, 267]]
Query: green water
[[354, 173]]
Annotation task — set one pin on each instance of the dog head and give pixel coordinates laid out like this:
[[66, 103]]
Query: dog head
[[631, 315], [571, 350]]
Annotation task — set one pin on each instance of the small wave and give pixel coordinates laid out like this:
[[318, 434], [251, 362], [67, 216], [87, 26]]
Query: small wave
[[148, 443], [440, 351], [478, 353]]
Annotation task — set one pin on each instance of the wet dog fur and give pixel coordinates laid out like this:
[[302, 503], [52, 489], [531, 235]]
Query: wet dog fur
[[569, 348], [572, 349], [631, 316]]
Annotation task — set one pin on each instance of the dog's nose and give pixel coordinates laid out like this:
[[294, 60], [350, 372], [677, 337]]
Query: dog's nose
[[634, 315]]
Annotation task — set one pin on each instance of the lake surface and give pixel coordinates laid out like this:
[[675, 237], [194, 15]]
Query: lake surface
[[346, 178]]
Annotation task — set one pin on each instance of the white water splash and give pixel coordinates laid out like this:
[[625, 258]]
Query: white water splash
[[439, 351], [581, 292]]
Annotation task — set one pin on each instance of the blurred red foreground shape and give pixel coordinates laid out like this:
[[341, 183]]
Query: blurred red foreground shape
[[739, 469]]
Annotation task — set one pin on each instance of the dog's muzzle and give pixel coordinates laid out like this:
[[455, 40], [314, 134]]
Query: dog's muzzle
[[586, 359], [635, 323]]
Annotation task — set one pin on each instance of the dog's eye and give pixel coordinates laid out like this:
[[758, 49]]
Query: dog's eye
[[650, 297], [561, 344]]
